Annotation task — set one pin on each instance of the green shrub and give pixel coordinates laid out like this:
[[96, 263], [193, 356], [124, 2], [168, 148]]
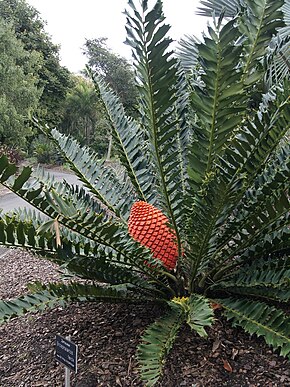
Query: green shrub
[[44, 151], [13, 154]]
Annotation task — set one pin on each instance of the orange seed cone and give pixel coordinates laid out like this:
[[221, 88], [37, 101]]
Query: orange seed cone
[[148, 226]]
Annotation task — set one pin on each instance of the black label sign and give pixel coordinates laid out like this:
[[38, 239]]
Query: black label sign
[[66, 352]]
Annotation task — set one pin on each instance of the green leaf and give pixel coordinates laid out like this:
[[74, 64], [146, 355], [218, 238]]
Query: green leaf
[[51, 295], [157, 75], [22, 178], [200, 314], [156, 342], [208, 7], [128, 134], [260, 319], [7, 169], [94, 174], [46, 226], [267, 279]]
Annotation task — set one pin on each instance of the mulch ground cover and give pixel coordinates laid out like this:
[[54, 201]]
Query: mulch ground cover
[[107, 336]]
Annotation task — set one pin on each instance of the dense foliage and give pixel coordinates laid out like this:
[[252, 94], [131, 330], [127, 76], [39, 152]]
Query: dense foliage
[[53, 79], [12, 154], [19, 94], [84, 117], [207, 160], [115, 70], [278, 48]]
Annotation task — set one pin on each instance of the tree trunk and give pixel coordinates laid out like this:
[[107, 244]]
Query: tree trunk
[[109, 148]]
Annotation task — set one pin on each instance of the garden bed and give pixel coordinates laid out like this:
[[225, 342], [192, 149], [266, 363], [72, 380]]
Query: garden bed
[[107, 336]]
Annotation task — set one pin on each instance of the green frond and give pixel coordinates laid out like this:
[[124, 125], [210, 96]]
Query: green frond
[[30, 303], [260, 319], [220, 104], [272, 241], [285, 31], [249, 150], [59, 202], [267, 279], [277, 60], [98, 177], [199, 313], [241, 177], [187, 53], [184, 138], [260, 22], [156, 343], [77, 254], [101, 261], [18, 233], [209, 7], [261, 32], [156, 77], [7, 170], [44, 228], [51, 295], [258, 224], [128, 141], [265, 18]]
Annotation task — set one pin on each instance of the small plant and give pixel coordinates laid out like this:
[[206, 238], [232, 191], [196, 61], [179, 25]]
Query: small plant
[[13, 154], [45, 152], [199, 214]]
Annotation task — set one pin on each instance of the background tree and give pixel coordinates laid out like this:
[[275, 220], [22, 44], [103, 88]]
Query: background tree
[[83, 116], [115, 70], [19, 94], [54, 79]]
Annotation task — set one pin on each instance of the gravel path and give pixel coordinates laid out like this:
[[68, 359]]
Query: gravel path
[[107, 336]]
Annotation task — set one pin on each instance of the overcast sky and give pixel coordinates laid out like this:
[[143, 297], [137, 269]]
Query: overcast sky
[[70, 22]]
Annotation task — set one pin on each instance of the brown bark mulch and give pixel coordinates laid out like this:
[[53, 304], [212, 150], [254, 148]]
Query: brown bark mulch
[[107, 336]]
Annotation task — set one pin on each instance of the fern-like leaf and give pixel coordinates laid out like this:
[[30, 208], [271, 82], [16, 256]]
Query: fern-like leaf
[[210, 7], [267, 279], [157, 342], [157, 74], [94, 173], [51, 295], [200, 314], [128, 141], [260, 319]]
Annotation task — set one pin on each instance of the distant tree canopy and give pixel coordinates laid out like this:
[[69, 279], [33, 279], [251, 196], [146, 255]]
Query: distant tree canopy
[[32, 81], [54, 79], [83, 116], [115, 69], [117, 72], [19, 94]]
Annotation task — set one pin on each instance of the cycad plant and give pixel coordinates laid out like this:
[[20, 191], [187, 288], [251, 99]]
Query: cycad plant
[[198, 215], [278, 52]]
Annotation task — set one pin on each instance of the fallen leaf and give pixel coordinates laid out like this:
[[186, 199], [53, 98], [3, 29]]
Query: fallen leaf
[[227, 366], [215, 345], [215, 306]]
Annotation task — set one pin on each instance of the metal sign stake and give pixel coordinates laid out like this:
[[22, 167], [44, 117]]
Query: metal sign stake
[[67, 377], [67, 372]]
